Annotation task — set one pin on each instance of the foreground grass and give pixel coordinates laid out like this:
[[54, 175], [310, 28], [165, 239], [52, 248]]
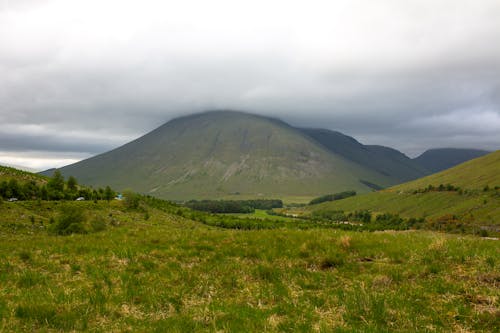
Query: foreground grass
[[170, 274]]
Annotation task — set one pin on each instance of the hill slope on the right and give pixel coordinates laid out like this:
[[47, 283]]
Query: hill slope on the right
[[466, 194], [440, 159], [473, 174]]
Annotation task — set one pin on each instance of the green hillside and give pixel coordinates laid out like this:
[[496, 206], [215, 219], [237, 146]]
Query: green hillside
[[473, 174], [473, 198], [8, 173], [223, 153]]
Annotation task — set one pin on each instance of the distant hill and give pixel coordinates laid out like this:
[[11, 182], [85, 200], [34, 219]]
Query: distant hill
[[383, 160], [223, 153], [477, 200], [436, 160]]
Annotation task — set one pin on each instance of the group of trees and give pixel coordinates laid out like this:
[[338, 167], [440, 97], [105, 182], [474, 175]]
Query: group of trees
[[233, 206], [440, 188], [56, 188], [332, 197]]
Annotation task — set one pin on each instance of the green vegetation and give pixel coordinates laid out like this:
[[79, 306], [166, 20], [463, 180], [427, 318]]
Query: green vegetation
[[233, 206], [332, 197], [26, 186], [168, 273]]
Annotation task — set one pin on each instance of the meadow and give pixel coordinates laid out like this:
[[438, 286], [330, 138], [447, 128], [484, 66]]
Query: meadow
[[149, 270]]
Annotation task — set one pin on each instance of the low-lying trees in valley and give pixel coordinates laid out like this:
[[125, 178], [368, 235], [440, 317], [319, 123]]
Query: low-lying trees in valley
[[332, 197], [233, 206]]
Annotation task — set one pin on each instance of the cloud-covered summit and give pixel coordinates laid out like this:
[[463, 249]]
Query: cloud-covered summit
[[80, 77]]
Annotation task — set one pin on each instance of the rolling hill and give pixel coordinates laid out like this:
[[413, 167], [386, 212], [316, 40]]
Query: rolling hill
[[440, 159], [222, 153], [384, 160], [475, 196]]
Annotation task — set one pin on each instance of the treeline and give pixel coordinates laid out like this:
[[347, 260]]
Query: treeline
[[332, 197], [440, 188], [365, 220], [233, 206], [56, 188], [452, 188]]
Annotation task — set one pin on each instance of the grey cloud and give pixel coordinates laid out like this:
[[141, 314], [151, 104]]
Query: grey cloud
[[411, 75]]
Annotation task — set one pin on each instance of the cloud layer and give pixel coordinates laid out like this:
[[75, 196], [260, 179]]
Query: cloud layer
[[80, 77]]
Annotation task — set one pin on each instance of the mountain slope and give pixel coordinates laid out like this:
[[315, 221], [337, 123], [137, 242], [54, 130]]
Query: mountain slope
[[220, 153], [473, 174], [383, 160], [470, 204], [436, 160]]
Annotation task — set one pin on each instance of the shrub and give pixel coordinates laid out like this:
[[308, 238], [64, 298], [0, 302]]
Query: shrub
[[131, 200], [71, 221]]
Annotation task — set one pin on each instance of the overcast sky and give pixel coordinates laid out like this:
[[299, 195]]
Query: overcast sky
[[81, 77]]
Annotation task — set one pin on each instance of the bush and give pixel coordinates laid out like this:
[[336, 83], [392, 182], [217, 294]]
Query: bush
[[131, 200], [71, 221]]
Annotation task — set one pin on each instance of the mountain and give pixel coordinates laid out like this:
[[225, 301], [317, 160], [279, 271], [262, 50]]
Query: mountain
[[383, 160], [474, 198], [221, 153], [436, 160]]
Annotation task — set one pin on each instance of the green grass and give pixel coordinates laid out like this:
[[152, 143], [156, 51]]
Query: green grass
[[167, 273], [262, 214]]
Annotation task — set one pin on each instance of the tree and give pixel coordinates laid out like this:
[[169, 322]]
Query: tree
[[56, 183], [13, 188], [108, 193], [72, 184]]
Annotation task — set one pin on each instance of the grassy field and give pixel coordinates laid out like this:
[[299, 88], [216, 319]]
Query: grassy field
[[149, 271], [262, 214]]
